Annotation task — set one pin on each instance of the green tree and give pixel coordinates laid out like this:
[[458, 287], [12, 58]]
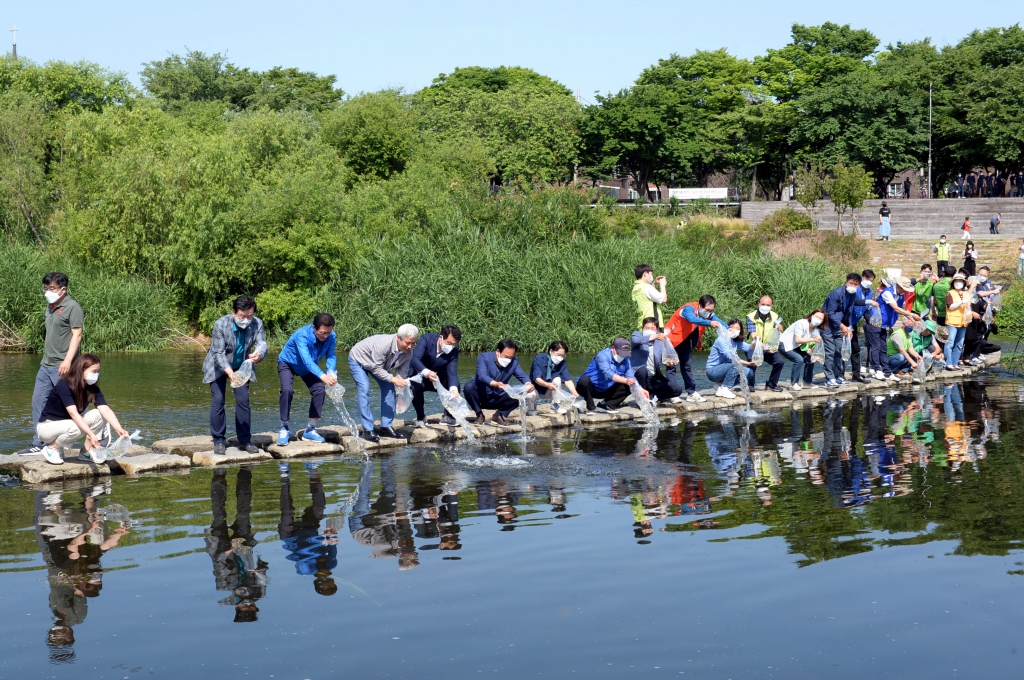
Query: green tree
[[65, 86], [849, 186], [23, 185], [374, 133]]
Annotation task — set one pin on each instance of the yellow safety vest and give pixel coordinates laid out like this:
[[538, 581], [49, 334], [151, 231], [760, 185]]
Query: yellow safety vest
[[956, 317], [942, 253], [645, 306]]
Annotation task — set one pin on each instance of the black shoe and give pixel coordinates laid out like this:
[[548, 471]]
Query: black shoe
[[449, 419], [861, 379], [219, 448], [389, 432], [251, 448], [773, 388], [498, 419], [30, 451], [371, 437]]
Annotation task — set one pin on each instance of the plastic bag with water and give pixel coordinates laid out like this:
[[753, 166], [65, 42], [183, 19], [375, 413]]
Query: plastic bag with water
[[757, 356], [818, 353], [846, 349], [668, 353], [989, 315], [336, 393], [243, 375], [116, 449], [772, 344], [875, 317], [995, 302], [458, 407], [648, 407], [403, 397]]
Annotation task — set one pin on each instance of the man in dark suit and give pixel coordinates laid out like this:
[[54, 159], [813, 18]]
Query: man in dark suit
[[435, 357]]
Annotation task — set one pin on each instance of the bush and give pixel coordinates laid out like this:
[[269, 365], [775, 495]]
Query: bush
[[784, 222], [838, 247]]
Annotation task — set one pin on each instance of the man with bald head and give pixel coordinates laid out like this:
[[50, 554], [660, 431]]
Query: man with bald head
[[760, 324]]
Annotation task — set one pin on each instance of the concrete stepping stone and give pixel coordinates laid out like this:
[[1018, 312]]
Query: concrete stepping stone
[[183, 446], [147, 463], [306, 449], [232, 456], [41, 472]]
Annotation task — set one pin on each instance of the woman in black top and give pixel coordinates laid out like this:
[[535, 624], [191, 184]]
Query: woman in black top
[[64, 418]]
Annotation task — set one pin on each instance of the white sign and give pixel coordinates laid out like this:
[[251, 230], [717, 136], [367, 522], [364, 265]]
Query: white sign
[[721, 193]]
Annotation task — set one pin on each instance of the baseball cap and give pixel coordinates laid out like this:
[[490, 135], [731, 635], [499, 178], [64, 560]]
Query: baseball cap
[[622, 347]]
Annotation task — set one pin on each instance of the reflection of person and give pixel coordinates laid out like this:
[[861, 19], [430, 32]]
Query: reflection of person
[[72, 541], [236, 337], [313, 554], [495, 495], [236, 569]]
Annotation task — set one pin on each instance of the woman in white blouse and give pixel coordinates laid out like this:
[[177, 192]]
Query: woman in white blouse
[[802, 332]]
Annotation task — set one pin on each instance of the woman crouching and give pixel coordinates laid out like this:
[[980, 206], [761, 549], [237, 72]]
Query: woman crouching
[[65, 419]]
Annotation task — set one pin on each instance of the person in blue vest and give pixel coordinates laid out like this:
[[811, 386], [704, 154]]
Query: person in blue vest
[[892, 303], [548, 367], [487, 388], [839, 307], [648, 358], [877, 366], [609, 377], [435, 357], [301, 357]]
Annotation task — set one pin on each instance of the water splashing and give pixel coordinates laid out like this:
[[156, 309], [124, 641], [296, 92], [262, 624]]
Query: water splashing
[[519, 393], [459, 409], [336, 393]]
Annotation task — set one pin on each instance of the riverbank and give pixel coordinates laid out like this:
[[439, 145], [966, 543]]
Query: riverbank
[[179, 455]]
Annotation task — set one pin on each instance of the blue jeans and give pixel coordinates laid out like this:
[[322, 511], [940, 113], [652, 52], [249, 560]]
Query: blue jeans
[[46, 378], [361, 376], [726, 375], [955, 345], [801, 362], [898, 362]]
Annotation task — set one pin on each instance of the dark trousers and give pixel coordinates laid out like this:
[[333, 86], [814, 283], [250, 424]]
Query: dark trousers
[[940, 267], [316, 392], [478, 400], [664, 387], [801, 364], [243, 416], [418, 388], [835, 367], [777, 363], [684, 350], [613, 396], [876, 337]]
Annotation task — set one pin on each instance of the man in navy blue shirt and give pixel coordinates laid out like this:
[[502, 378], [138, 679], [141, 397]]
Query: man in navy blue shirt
[[546, 369], [435, 357], [487, 388], [839, 306]]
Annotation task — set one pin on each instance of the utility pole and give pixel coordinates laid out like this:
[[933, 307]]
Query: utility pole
[[929, 140], [14, 43]]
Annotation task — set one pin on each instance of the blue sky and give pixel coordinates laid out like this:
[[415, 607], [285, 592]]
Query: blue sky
[[595, 45]]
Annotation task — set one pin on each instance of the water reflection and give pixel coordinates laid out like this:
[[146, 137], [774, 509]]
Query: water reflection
[[237, 569]]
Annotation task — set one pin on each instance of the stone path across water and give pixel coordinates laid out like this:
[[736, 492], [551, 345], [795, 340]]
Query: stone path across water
[[180, 454]]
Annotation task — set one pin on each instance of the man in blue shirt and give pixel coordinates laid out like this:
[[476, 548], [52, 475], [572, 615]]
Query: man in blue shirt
[[839, 306], [648, 357], [301, 357], [487, 388], [435, 357], [609, 377], [546, 369]]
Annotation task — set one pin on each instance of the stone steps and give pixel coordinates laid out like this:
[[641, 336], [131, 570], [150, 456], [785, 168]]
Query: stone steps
[[179, 455]]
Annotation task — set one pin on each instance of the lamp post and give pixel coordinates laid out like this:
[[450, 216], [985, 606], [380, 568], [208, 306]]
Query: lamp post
[[930, 140]]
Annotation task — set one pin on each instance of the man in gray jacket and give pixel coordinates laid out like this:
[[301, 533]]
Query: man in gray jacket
[[236, 337], [385, 358]]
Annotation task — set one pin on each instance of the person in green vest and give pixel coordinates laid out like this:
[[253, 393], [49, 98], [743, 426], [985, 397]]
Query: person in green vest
[[900, 349], [647, 298], [923, 291], [941, 250], [760, 324], [925, 341], [939, 291]]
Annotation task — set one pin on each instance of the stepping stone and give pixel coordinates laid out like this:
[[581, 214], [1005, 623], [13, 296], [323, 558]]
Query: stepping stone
[[232, 456], [422, 435], [305, 449], [41, 472], [149, 463], [597, 418], [184, 446]]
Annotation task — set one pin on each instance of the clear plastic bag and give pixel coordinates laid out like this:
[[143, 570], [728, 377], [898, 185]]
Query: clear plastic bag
[[757, 355], [669, 356], [648, 407], [818, 353], [995, 302], [517, 392], [874, 317], [457, 406], [772, 343], [846, 349], [989, 315], [243, 375], [116, 449], [403, 397]]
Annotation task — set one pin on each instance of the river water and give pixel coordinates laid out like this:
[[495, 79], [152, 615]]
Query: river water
[[877, 536]]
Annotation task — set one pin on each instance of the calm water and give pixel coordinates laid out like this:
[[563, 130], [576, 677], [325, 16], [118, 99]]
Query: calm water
[[859, 539]]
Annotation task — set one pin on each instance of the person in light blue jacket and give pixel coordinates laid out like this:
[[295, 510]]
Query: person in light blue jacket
[[720, 367], [301, 357]]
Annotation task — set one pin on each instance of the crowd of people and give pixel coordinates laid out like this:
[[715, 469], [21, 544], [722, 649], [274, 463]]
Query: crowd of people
[[986, 184], [943, 315]]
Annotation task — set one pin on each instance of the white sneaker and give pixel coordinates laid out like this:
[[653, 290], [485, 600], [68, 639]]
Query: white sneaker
[[419, 424], [94, 456], [675, 400], [695, 398], [52, 456], [879, 375], [797, 386], [725, 393]]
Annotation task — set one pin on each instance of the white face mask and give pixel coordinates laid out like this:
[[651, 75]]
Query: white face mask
[[52, 296], [92, 378], [733, 333], [705, 314], [446, 348], [959, 285], [851, 289], [982, 279], [504, 361], [617, 358], [242, 323], [815, 321], [555, 359], [942, 241], [649, 334], [866, 284], [764, 309]]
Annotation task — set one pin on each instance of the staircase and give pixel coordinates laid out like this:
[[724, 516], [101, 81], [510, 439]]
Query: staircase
[[912, 218]]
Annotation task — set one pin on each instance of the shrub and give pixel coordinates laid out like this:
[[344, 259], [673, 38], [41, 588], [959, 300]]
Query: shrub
[[838, 247], [784, 222]]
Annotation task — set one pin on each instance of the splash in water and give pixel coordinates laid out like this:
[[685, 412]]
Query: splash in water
[[336, 393], [459, 409], [519, 393]]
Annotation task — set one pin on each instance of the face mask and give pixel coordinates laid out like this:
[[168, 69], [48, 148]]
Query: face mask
[[92, 378], [705, 314], [958, 285], [851, 289], [242, 323], [555, 359], [815, 321], [617, 358], [764, 309], [504, 362], [982, 279], [943, 241], [733, 333], [446, 348], [866, 284], [649, 334], [51, 296]]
